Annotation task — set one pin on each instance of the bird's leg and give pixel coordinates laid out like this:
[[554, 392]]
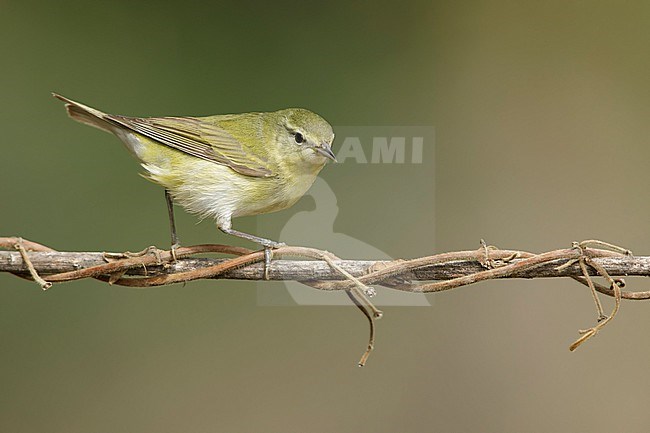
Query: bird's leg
[[172, 224], [266, 243], [258, 240]]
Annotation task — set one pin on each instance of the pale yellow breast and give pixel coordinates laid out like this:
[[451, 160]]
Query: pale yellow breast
[[213, 190]]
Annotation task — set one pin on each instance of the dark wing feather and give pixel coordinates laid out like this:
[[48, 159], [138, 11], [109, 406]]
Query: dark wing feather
[[200, 138]]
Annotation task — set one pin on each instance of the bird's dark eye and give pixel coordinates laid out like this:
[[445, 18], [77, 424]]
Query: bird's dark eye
[[298, 137]]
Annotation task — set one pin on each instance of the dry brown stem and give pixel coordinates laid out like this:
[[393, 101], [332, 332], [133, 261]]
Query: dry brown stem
[[325, 271]]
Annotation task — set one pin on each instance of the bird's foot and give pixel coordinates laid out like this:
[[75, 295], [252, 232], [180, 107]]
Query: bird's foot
[[173, 249], [268, 255]]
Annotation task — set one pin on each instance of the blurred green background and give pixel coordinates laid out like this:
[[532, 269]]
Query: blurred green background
[[542, 137]]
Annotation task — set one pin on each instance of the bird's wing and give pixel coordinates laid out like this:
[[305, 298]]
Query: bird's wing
[[199, 138]]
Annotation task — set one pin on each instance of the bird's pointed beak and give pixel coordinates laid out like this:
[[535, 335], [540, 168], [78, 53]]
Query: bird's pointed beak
[[325, 149]]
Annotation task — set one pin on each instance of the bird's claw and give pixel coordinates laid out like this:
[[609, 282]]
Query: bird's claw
[[173, 249], [273, 244], [268, 255]]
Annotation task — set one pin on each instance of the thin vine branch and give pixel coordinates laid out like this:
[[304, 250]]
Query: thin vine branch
[[324, 271], [159, 270]]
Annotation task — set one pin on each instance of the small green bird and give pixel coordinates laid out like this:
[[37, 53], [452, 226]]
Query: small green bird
[[224, 166]]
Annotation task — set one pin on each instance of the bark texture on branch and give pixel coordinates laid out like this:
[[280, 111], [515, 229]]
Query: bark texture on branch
[[325, 271], [49, 263]]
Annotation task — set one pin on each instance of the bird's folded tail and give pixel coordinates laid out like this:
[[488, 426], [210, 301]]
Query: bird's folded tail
[[84, 114]]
